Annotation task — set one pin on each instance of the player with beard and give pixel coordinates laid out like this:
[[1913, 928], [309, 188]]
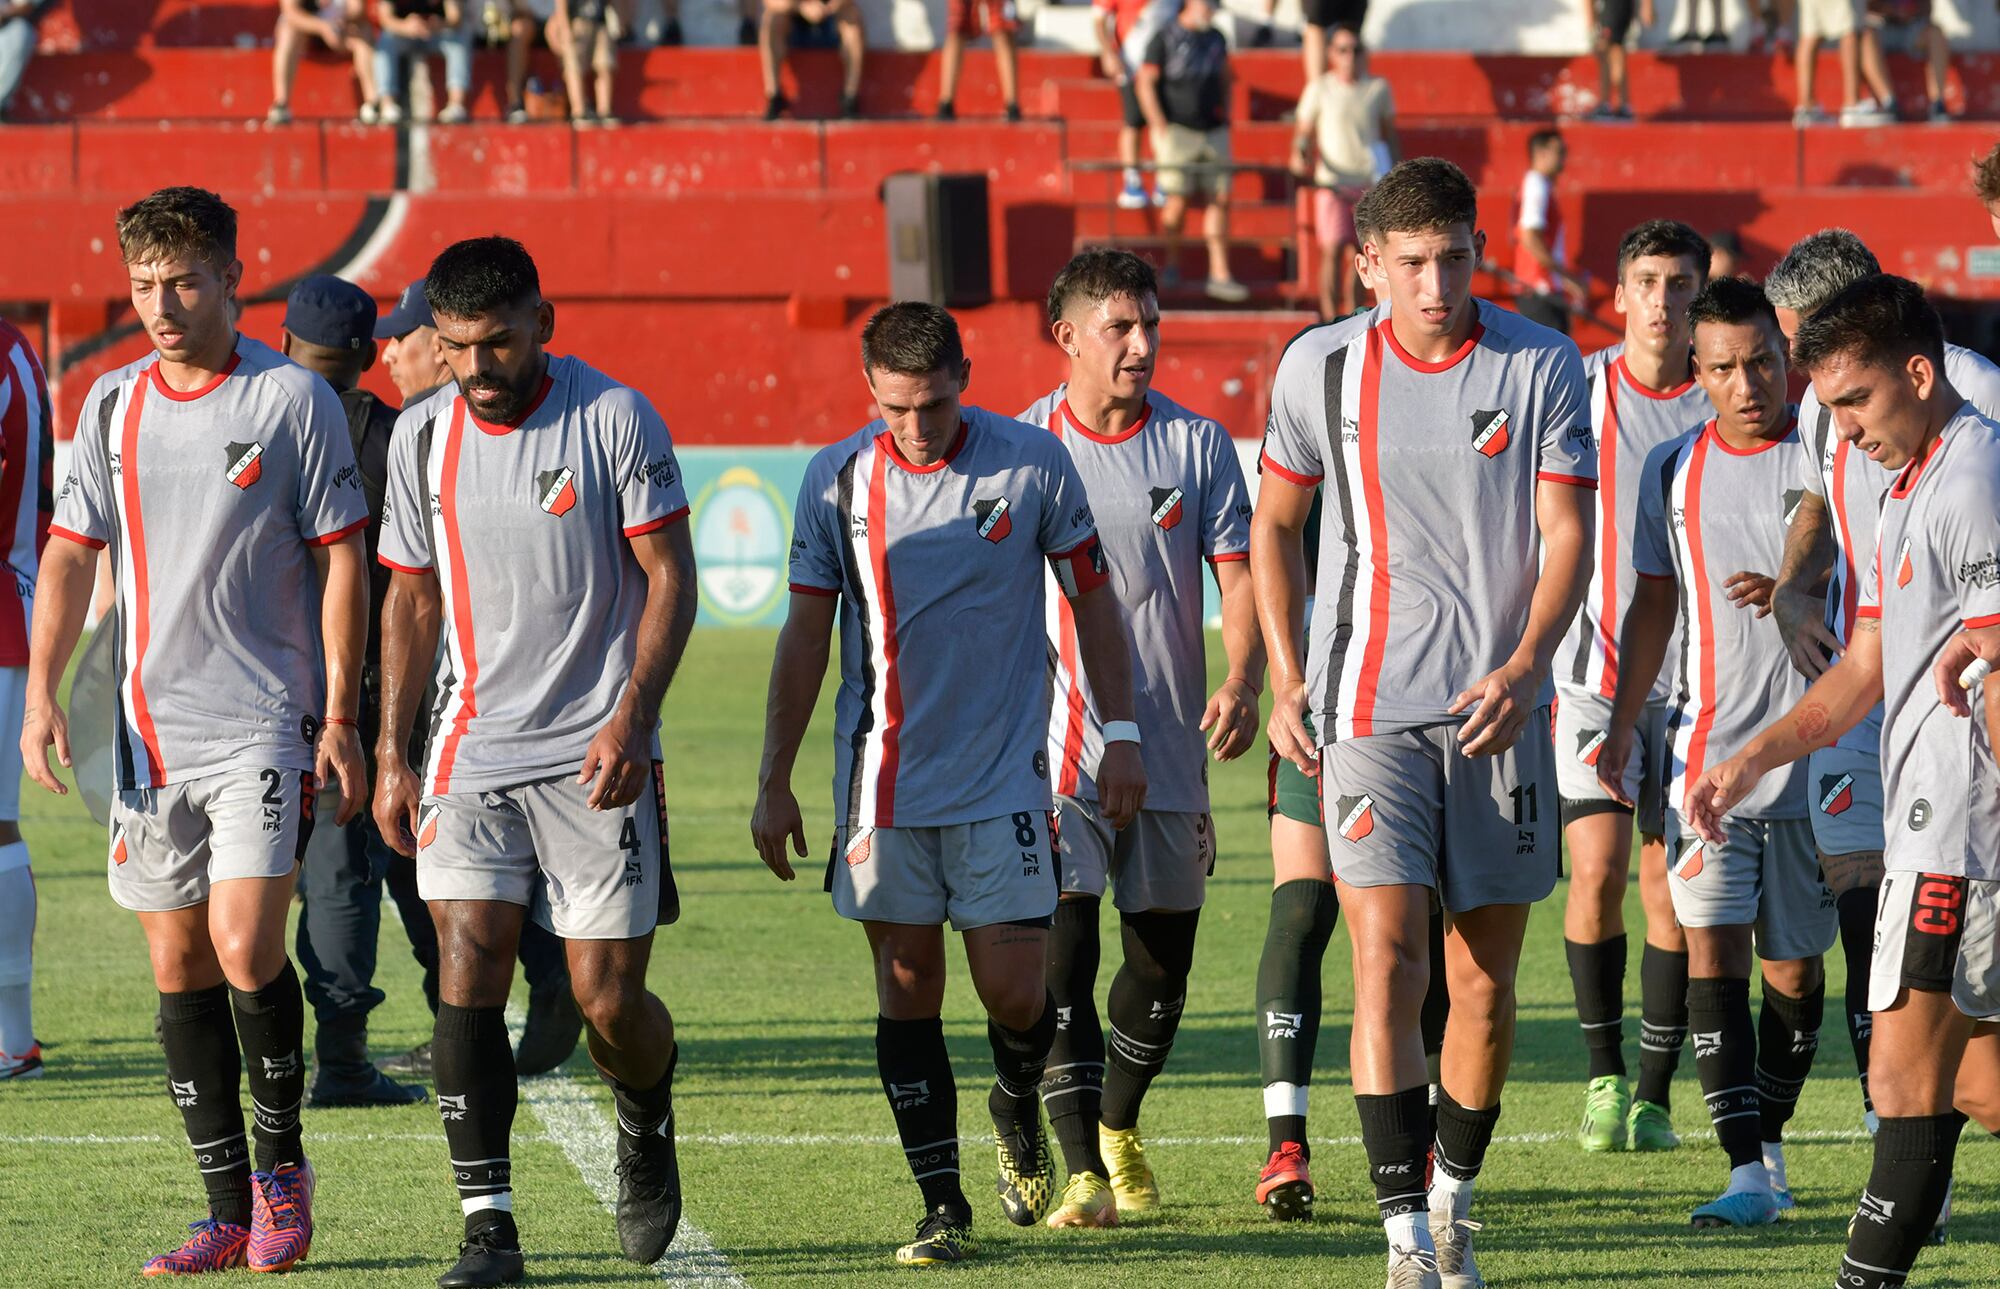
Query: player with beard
[[1168, 494]]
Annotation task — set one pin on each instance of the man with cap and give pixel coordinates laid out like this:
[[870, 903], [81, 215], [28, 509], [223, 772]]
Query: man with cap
[[410, 347]]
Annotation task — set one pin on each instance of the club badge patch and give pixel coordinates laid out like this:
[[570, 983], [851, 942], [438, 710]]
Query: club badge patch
[[1688, 866], [994, 521], [1490, 435], [1904, 569], [1357, 816], [1588, 744], [1793, 496], [555, 491], [244, 463], [427, 827], [1836, 793], [1167, 507]]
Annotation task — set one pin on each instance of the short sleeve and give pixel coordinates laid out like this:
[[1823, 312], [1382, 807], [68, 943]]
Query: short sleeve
[[1568, 448], [406, 527], [1308, 108], [1968, 544], [83, 504], [1534, 201], [1065, 522], [331, 504], [1296, 427], [651, 491], [1385, 103], [1813, 434], [1868, 602], [1225, 505], [1652, 539], [815, 558]]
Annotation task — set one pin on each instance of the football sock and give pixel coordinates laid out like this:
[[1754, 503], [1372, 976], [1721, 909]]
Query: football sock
[[17, 943], [1787, 1038], [1597, 977], [1144, 1007], [1905, 1191], [1303, 914], [1437, 995], [642, 1111], [473, 1064], [204, 1075], [1073, 1081], [1395, 1131], [1663, 1022], [916, 1077], [1725, 1056], [270, 1024], [1019, 1056], [1462, 1138], [1857, 946]]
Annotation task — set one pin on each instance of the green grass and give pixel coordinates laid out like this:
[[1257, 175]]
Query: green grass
[[772, 995]]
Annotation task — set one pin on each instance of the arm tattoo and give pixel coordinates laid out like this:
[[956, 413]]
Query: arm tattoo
[[1811, 723]]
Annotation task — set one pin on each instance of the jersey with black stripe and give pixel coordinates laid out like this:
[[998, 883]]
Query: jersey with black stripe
[[1707, 511], [944, 689], [1627, 421], [528, 528], [1852, 486], [1936, 570], [1168, 494], [27, 485], [1429, 551], [211, 501]]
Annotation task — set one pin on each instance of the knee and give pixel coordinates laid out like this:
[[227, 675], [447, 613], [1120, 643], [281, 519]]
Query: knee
[[1980, 1104], [1797, 977], [248, 957], [1476, 993], [608, 1000], [474, 969], [911, 981], [1391, 977], [1018, 1005]]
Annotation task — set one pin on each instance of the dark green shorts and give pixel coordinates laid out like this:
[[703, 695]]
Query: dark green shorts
[[1292, 793]]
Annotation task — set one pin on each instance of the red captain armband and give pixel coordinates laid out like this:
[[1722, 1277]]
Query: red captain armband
[[1081, 569]]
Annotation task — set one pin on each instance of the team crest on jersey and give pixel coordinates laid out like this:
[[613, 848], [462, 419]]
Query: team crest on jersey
[[1904, 569], [1588, 744], [1356, 818], [1688, 867], [1793, 496], [245, 463], [994, 521], [555, 491], [1167, 507], [1490, 435], [1836, 793]]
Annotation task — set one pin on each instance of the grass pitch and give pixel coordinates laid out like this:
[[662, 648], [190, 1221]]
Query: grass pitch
[[789, 1163]]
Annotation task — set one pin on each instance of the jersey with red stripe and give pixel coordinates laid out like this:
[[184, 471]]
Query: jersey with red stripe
[[944, 690], [211, 501], [1707, 511], [1168, 494], [1937, 569], [1627, 421], [27, 485], [1429, 551], [528, 528]]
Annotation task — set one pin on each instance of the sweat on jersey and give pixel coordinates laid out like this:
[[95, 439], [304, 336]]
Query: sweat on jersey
[[528, 528], [210, 501], [1168, 493], [27, 485], [1708, 511], [944, 691], [1429, 552], [1627, 421], [1936, 570]]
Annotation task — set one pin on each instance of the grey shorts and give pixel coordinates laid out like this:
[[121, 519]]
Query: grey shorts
[[1765, 875], [1581, 719], [1845, 787], [1409, 809], [170, 845], [972, 875], [1162, 859], [1941, 934], [584, 874]]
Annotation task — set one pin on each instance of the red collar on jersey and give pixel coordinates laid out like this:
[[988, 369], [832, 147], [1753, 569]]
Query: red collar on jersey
[[887, 442], [168, 391], [1715, 437], [508, 427], [1914, 471], [1070, 418], [1632, 383], [1451, 360]]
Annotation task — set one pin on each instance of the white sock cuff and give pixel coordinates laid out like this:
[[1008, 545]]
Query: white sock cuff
[[1284, 1099], [504, 1201]]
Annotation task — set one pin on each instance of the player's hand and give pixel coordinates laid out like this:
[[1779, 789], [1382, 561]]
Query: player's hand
[[42, 725], [1612, 760], [1121, 783], [1505, 698], [1287, 728], [1958, 654], [398, 798], [1299, 166], [619, 759], [1112, 66], [775, 820], [1231, 719], [1801, 619], [1751, 591], [1719, 788], [337, 760]]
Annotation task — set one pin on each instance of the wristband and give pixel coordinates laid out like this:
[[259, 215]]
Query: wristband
[[1121, 732]]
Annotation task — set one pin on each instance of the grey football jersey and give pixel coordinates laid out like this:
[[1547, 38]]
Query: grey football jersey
[[1168, 494], [1429, 553], [211, 501], [944, 687], [1707, 511], [528, 528], [1937, 569], [1628, 421]]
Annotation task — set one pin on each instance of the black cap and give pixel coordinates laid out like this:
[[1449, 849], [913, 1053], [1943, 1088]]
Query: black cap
[[412, 311], [326, 311]]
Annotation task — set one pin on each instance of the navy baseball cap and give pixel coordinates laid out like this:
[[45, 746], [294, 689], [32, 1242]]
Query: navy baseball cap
[[412, 311], [334, 314]]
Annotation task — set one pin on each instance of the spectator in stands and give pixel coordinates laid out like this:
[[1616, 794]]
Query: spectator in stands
[[1712, 35], [1548, 290], [412, 29], [17, 45], [1124, 29], [1725, 254], [1317, 19], [340, 25], [1345, 140], [817, 20], [968, 20], [589, 43], [1986, 184], [1832, 20], [1610, 28], [1905, 27], [1184, 93]]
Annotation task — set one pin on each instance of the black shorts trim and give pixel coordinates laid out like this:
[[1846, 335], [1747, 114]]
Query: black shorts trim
[[1932, 934], [1614, 19], [1574, 810], [1135, 116], [1034, 924]]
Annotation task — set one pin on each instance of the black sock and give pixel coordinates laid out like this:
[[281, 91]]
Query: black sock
[[1725, 1055], [1787, 1038], [916, 1076], [1303, 914], [1073, 1080], [1144, 1007], [1019, 1057], [473, 1065], [1597, 976], [1462, 1137], [1437, 996], [204, 1075], [1395, 1131], [1901, 1202], [271, 1025], [1857, 945], [1663, 1022], [643, 1110]]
